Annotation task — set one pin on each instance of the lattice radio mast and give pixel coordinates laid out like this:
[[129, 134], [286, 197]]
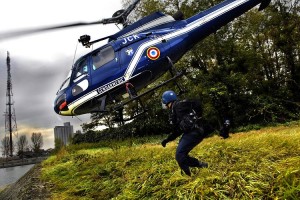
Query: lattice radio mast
[[10, 116]]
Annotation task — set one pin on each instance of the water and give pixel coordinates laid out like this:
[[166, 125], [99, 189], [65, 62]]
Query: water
[[12, 174]]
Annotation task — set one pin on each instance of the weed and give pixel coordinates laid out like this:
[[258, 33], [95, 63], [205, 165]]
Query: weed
[[260, 164]]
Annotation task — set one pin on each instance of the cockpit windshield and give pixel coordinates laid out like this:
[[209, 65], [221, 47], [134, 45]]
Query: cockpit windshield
[[80, 69], [66, 83]]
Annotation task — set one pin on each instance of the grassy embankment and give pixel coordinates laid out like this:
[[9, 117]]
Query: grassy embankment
[[263, 164]]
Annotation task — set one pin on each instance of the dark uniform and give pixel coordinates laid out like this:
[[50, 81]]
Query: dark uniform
[[191, 137]]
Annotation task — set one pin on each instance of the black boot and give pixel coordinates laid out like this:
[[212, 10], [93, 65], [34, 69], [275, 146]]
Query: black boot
[[186, 171], [193, 162], [202, 164]]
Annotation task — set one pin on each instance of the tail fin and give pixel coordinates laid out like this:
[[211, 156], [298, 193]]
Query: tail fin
[[264, 4]]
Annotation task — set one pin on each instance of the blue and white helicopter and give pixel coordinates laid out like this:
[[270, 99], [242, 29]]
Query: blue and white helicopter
[[138, 54]]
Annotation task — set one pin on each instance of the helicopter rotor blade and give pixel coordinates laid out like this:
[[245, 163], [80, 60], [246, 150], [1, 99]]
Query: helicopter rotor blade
[[17, 33], [120, 18]]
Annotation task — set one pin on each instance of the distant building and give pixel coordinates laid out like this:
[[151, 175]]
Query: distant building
[[64, 133]]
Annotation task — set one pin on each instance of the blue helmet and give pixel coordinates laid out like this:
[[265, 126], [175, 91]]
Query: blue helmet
[[169, 96]]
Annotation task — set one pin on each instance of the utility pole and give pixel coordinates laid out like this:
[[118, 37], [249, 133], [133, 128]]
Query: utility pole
[[10, 117]]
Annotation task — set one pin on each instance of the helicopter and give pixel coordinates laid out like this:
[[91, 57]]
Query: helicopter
[[136, 56]]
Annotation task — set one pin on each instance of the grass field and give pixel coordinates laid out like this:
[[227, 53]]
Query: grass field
[[262, 164]]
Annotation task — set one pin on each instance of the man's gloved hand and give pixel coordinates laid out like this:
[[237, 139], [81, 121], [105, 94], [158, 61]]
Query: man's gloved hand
[[224, 132], [227, 123], [164, 143]]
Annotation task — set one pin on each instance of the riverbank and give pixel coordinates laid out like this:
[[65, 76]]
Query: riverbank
[[3, 187], [30, 186], [262, 164], [20, 162], [13, 174]]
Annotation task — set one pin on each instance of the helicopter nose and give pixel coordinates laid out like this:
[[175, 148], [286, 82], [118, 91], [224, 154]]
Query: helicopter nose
[[61, 104]]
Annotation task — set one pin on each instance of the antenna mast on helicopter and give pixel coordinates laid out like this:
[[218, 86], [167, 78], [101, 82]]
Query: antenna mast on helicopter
[[10, 117]]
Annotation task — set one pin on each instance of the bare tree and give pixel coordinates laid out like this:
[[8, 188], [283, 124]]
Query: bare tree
[[22, 144], [5, 146], [37, 141]]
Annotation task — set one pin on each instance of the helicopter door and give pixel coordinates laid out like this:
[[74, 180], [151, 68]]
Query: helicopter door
[[80, 78]]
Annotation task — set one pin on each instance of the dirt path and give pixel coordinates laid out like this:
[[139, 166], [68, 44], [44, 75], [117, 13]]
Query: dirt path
[[28, 187]]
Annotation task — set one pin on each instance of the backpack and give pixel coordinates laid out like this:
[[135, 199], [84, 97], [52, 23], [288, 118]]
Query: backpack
[[188, 114]]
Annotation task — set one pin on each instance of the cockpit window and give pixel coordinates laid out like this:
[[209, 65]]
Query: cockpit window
[[80, 69], [103, 56], [66, 83]]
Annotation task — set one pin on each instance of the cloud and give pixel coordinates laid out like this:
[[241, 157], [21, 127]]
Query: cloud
[[34, 88], [40, 62], [48, 135]]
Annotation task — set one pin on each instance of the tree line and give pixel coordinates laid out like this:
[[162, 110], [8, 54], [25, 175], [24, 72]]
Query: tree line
[[22, 145], [248, 71]]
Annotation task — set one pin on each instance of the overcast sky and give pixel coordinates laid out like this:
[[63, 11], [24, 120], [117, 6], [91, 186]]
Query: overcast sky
[[40, 62]]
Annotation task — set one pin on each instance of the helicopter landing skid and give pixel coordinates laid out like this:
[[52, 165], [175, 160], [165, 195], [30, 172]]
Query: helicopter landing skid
[[119, 108], [121, 119], [173, 71]]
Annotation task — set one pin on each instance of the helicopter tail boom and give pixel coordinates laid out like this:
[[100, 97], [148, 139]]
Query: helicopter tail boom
[[211, 20], [264, 4], [228, 10]]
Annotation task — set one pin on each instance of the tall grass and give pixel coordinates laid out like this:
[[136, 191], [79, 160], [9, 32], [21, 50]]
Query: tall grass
[[260, 164]]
